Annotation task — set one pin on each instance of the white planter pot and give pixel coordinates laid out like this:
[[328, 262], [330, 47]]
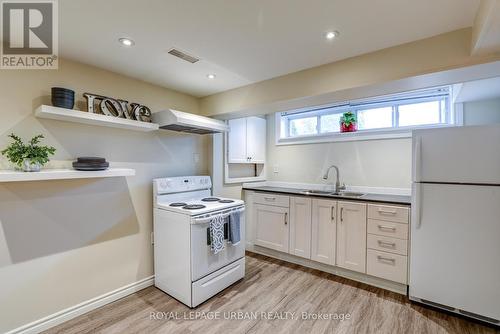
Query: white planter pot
[[29, 166]]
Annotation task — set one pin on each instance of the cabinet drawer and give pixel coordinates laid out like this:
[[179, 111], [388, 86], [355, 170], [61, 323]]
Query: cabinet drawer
[[388, 229], [386, 265], [386, 244], [390, 213], [216, 282], [271, 199]]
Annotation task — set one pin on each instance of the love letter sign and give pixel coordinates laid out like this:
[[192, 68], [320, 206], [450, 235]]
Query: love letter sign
[[117, 108]]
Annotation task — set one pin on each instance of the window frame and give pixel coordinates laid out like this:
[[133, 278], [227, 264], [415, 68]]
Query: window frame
[[452, 114]]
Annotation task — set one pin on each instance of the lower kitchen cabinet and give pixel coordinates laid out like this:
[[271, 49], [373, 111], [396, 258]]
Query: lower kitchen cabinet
[[324, 231], [271, 226], [364, 237], [300, 227], [351, 236], [390, 266]]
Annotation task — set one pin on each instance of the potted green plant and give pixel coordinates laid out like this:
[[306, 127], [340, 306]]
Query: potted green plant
[[28, 157], [348, 122]]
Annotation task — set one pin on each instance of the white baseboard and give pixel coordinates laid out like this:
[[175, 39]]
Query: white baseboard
[[84, 307], [352, 275]]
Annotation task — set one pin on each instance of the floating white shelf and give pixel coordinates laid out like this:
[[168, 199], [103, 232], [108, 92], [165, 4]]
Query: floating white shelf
[[77, 116], [62, 174]]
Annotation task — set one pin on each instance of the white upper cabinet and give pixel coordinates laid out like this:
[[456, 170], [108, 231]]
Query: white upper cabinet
[[351, 236], [256, 140], [247, 141], [237, 141], [324, 231], [300, 227]]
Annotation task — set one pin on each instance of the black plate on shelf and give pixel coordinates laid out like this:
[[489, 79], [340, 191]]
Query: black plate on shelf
[[91, 160], [90, 169], [90, 166]]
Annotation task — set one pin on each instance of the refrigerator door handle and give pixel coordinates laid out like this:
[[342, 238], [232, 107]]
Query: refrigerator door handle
[[417, 155], [417, 205]]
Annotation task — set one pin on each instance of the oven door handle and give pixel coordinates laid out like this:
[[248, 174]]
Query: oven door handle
[[206, 219]]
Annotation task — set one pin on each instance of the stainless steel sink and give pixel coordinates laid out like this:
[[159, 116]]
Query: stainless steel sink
[[348, 194], [330, 193], [316, 192]]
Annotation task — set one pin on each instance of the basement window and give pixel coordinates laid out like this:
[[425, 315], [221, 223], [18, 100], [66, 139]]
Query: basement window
[[390, 116]]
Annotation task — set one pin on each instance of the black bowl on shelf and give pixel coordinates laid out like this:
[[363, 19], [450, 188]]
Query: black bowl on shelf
[[91, 160], [63, 104], [67, 104], [90, 164], [62, 90], [63, 97], [90, 167]]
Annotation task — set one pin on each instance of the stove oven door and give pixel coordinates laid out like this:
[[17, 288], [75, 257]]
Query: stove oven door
[[203, 260]]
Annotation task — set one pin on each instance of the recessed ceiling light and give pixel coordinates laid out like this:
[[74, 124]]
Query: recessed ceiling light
[[126, 41], [331, 34], [211, 76]]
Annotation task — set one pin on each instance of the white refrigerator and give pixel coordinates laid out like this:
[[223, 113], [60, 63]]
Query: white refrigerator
[[455, 227]]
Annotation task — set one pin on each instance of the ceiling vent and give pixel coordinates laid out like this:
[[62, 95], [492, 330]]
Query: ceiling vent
[[183, 56]]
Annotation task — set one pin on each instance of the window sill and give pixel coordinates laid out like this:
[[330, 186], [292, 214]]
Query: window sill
[[353, 136]]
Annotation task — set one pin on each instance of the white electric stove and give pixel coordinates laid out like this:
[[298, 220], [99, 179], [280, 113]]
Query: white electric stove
[[185, 266]]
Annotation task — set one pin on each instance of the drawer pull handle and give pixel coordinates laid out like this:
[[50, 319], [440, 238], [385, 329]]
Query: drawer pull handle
[[383, 227], [387, 212], [286, 218], [388, 259], [270, 198], [386, 244]]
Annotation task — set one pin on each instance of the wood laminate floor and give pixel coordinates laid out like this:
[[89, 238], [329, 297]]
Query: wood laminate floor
[[274, 287]]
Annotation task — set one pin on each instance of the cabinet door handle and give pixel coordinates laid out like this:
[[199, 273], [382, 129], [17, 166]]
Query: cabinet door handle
[[383, 227], [388, 259], [270, 198], [332, 214], [386, 244], [342, 214], [387, 212], [286, 218]]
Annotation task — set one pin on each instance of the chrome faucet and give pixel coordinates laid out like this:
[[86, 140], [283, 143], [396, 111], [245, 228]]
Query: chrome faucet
[[338, 186]]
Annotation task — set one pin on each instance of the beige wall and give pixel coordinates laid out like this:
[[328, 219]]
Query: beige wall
[[373, 163], [64, 242], [439, 53], [482, 112]]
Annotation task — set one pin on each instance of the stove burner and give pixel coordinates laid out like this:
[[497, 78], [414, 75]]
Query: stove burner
[[226, 201], [193, 207], [210, 199], [178, 204]]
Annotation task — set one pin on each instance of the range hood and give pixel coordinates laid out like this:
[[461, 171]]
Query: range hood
[[185, 122]]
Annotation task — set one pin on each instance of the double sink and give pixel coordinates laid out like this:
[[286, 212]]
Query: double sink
[[333, 193]]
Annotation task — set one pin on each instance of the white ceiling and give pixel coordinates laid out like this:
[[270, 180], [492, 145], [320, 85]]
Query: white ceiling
[[243, 41], [479, 90]]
